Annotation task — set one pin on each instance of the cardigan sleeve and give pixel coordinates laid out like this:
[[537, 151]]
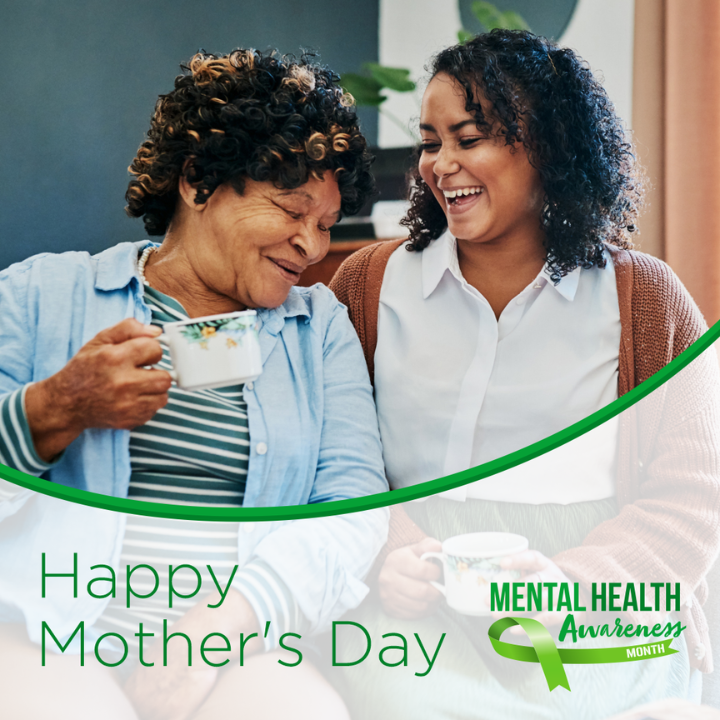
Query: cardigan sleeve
[[401, 533], [357, 284], [669, 456], [348, 284]]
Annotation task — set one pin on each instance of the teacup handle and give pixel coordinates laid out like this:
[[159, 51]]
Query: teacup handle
[[163, 340], [436, 556]]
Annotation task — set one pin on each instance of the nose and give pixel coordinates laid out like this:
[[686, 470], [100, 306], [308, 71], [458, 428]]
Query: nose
[[446, 162], [310, 241]]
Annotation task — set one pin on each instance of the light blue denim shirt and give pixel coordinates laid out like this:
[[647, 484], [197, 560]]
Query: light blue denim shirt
[[313, 431]]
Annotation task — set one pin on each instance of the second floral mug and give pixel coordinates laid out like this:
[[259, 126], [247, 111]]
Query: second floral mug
[[471, 562]]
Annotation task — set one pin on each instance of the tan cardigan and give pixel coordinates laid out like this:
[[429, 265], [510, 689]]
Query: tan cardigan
[[669, 524]]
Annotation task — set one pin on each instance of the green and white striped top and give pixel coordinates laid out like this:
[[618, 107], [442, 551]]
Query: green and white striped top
[[17, 449], [194, 451]]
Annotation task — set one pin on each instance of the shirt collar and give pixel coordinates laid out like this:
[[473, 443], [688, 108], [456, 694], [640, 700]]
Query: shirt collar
[[441, 256], [118, 265], [568, 285], [437, 258], [296, 305]]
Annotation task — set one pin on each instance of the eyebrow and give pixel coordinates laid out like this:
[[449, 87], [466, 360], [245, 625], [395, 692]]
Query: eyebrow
[[297, 191], [452, 128]]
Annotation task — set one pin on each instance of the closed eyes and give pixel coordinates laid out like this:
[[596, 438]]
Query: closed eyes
[[299, 216], [431, 147], [293, 215]]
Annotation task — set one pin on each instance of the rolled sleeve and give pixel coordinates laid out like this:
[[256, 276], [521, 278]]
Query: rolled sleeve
[[17, 449], [323, 561], [272, 602]]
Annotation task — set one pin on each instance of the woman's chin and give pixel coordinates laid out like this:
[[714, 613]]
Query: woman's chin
[[272, 298], [467, 231]]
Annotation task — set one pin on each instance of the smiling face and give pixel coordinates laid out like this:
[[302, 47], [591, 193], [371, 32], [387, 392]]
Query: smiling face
[[488, 190], [253, 247]]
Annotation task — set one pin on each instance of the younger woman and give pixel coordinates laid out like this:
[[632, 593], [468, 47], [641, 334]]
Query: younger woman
[[514, 311]]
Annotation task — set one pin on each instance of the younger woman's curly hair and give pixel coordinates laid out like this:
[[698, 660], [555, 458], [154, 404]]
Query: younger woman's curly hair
[[545, 97], [265, 117]]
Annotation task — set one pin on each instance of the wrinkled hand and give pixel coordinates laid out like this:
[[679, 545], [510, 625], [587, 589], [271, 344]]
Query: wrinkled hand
[[176, 691], [106, 385], [404, 581], [536, 568]]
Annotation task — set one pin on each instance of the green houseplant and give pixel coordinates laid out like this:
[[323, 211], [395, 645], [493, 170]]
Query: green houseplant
[[369, 87]]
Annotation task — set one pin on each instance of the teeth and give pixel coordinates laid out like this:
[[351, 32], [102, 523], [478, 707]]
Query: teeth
[[462, 192]]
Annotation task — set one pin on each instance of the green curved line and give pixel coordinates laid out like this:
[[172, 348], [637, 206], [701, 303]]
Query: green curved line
[[379, 500]]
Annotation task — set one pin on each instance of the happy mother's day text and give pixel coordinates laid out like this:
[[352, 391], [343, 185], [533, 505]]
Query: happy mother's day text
[[394, 651]]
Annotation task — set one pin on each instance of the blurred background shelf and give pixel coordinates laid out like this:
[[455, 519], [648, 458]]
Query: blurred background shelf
[[323, 271], [379, 218]]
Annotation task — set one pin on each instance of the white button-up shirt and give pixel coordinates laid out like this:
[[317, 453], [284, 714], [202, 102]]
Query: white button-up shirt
[[456, 387]]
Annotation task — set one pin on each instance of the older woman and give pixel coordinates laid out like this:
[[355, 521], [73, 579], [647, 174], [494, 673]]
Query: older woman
[[514, 311], [249, 161]]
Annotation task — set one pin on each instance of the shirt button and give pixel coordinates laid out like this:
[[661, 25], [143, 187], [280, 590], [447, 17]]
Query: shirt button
[[699, 651], [261, 448], [519, 301], [248, 527], [249, 385]]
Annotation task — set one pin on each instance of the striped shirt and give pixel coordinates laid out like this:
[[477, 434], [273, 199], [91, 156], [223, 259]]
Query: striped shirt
[[194, 451], [170, 546]]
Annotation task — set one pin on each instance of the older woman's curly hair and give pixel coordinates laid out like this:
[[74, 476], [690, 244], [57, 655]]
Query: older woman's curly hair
[[265, 117], [545, 97]]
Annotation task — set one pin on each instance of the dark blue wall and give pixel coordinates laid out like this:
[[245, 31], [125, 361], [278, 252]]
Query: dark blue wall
[[79, 81]]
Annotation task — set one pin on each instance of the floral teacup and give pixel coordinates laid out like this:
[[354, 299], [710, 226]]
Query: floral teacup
[[471, 562], [214, 351]]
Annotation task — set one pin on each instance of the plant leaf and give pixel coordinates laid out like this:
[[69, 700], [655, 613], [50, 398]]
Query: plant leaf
[[365, 90], [488, 14], [515, 21], [464, 36], [397, 79]]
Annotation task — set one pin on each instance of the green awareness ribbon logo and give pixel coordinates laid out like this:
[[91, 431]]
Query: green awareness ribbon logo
[[545, 652]]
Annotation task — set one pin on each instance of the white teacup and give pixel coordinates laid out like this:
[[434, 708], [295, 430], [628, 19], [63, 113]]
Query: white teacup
[[471, 562], [214, 351]]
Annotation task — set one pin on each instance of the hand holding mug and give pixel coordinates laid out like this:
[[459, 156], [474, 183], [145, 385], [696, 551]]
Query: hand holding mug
[[404, 581], [105, 385]]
